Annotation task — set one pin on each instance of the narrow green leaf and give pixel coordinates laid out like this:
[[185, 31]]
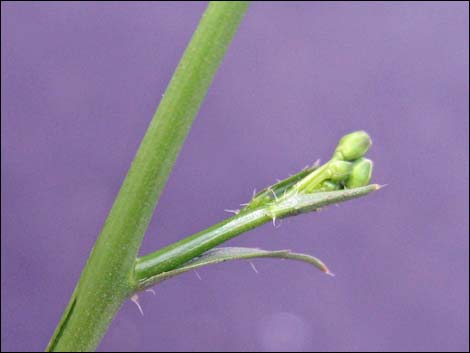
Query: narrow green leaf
[[218, 255], [302, 203]]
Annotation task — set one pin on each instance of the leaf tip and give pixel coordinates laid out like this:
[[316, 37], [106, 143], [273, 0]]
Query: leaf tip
[[378, 186], [327, 271]]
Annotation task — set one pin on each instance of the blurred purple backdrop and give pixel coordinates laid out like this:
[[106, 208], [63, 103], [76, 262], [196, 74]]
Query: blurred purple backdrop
[[80, 83]]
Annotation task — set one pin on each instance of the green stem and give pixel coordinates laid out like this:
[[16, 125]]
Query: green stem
[[108, 277], [179, 253]]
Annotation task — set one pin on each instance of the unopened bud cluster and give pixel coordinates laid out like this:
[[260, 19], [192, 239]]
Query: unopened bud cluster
[[347, 168]]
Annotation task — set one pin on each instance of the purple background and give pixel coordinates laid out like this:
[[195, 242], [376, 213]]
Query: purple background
[[80, 83]]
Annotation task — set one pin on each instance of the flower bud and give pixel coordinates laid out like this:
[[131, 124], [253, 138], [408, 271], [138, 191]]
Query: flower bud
[[352, 146], [329, 186], [339, 170], [360, 174], [335, 171]]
